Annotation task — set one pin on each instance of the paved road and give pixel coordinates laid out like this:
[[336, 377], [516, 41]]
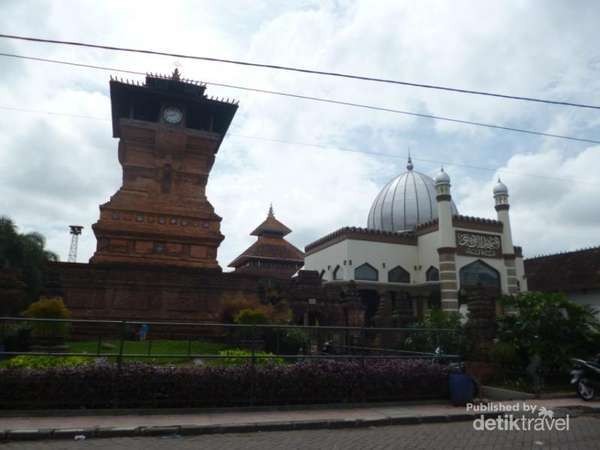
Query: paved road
[[584, 434]]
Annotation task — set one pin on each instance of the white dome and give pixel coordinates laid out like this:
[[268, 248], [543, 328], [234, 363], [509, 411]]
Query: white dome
[[500, 188], [405, 202], [442, 177]]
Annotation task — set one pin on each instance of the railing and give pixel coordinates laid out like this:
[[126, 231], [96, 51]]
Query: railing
[[113, 339], [208, 344]]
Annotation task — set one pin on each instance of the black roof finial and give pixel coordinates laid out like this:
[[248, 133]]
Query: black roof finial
[[176, 75]]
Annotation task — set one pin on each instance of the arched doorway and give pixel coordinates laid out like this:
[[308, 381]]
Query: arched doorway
[[370, 301], [481, 276], [480, 283]]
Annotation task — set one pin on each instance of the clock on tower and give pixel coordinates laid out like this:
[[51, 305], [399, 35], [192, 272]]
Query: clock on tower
[[169, 132]]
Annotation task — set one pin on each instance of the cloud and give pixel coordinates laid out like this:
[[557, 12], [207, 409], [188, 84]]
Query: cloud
[[553, 196], [56, 170]]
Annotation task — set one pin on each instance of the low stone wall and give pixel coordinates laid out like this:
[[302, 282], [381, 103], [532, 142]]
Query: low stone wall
[[149, 293]]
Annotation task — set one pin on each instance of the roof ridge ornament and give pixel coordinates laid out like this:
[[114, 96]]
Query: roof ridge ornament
[[176, 75], [271, 213]]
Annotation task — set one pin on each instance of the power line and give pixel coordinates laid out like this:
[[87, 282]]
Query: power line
[[53, 113], [324, 100], [301, 70], [326, 147], [443, 163]]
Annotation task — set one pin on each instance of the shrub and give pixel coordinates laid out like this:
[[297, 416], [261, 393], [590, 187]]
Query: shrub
[[17, 338], [286, 341], [250, 316], [49, 308], [277, 312], [549, 329], [138, 385], [44, 362], [427, 339], [504, 353], [236, 357], [232, 307]]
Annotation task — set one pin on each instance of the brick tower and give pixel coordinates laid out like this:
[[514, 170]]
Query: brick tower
[[169, 132]]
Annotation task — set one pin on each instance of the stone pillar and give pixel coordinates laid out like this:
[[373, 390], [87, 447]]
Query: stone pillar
[[511, 274], [448, 280], [508, 250], [447, 243], [481, 327]]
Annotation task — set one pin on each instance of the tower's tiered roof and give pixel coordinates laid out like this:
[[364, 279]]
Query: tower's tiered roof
[[271, 254]]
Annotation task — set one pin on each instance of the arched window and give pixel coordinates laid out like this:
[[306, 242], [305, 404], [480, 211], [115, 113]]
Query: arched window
[[366, 272], [432, 274], [337, 273], [398, 275], [479, 274]]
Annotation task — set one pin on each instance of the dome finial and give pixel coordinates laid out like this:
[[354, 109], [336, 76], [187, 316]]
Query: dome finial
[[442, 177], [409, 165], [500, 188]]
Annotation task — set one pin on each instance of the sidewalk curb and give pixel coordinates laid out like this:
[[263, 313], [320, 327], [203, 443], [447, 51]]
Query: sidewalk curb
[[208, 410], [196, 430]]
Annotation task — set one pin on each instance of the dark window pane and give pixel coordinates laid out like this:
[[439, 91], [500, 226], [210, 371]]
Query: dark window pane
[[337, 273], [432, 274], [398, 275], [366, 272], [479, 274]]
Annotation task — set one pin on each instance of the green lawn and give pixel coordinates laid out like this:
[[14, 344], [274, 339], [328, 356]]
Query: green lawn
[[178, 349]]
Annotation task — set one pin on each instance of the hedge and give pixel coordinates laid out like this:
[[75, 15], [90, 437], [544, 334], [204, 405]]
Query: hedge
[[139, 385]]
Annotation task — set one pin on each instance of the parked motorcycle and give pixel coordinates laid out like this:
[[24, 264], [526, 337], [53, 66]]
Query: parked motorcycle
[[586, 377]]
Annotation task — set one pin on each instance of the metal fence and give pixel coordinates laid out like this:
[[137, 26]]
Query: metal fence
[[251, 348], [124, 340]]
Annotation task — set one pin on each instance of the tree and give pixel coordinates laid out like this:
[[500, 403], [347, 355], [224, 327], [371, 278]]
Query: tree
[[549, 328], [25, 256], [427, 335]]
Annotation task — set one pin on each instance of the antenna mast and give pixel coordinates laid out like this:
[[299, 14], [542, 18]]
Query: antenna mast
[[75, 231]]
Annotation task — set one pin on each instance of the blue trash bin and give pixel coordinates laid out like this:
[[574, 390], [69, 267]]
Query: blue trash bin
[[462, 389]]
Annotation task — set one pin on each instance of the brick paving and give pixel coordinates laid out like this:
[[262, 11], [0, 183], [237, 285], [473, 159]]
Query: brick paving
[[584, 434]]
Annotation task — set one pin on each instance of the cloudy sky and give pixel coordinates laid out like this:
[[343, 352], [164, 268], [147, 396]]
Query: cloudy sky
[[56, 169]]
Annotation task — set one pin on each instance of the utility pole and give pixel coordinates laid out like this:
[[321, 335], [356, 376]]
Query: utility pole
[[75, 231]]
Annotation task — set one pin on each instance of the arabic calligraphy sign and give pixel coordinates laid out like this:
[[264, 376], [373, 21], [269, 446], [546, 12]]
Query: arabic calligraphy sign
[[478, 244]]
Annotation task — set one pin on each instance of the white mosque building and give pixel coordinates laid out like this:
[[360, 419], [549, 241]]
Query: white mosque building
[[418, 252]]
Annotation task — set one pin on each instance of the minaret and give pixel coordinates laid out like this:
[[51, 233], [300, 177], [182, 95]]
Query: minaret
[[446, 243], [508, 250]]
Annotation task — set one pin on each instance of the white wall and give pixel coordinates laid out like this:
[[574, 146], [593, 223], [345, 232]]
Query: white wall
[[427, 254], [378, 253], [357, 252], [521, 273], [327, 259]]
